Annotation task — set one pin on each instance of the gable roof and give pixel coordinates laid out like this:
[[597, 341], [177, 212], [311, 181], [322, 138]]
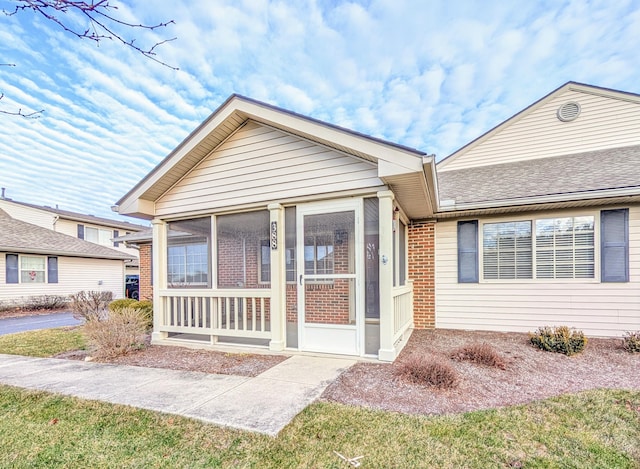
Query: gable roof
[[405, 167], [606, 173], [21, 237], [444, 164], [74, 216]]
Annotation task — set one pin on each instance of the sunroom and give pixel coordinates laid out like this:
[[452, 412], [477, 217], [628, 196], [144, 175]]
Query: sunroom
[[274, 230]]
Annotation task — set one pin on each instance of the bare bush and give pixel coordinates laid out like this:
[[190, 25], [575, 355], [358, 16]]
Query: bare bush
[[631, 342], [45, 302], [91, 305], [483, 354], [428, 371], [117, 334]]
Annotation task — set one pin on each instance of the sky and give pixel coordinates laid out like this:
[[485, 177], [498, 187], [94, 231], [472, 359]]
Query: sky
[[428, 74]]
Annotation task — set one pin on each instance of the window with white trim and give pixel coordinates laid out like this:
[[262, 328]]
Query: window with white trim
[[565, 247], [559, 248], [265, 262], [188, 247], [98, 236], [32, 269]]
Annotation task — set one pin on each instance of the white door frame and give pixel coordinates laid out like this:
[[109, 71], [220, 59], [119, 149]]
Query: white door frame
[[332, 338]]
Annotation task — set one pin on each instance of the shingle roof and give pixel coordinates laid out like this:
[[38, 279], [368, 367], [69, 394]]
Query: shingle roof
[[22, 237], [613, 168], [125, 225]]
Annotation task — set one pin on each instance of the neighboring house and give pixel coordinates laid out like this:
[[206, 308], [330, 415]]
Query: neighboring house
[[36, 261], [272, 228], [94, 229]]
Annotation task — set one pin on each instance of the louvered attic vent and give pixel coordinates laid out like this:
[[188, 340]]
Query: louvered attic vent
[[568, 111]]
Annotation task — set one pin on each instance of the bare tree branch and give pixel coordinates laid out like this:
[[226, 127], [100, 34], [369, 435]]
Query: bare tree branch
[[26, 115], [101, 22]]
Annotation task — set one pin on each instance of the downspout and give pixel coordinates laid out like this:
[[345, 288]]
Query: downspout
[[55, 220]]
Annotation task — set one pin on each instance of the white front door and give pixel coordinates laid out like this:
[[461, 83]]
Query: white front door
[[329, 266]]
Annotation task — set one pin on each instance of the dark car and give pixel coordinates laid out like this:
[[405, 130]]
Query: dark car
[[132, 286]]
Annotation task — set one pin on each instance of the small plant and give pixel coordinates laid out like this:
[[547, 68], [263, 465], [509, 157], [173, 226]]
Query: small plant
[[559, 339], [631, 342], [117, 334], [146, 309], [45, 302], [483, 354], [90, 305], [427, 371]]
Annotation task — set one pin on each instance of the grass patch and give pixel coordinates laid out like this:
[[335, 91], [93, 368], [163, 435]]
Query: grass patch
[[42, 343], [591, 429]]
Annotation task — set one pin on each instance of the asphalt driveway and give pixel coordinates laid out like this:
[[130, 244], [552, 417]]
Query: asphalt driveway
[[43, 321]]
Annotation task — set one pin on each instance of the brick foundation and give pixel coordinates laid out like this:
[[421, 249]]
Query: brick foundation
[[422, 272]]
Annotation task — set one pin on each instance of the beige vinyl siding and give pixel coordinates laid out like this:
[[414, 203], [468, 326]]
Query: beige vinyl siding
[[604, 122], [261, 164], [74, 274], [28, 214], [599, 309]]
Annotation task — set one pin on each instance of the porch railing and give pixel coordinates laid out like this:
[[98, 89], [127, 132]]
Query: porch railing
[[233, 313], [402, 309]]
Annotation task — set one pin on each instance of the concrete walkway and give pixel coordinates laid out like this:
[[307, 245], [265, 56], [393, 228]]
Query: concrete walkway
[[262, 404]]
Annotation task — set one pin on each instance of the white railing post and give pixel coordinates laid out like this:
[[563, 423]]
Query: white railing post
[[159, 256], [387, 351], [277, 308]]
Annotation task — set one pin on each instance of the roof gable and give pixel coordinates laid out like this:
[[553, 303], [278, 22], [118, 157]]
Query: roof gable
[[392, 160], [537, 132]]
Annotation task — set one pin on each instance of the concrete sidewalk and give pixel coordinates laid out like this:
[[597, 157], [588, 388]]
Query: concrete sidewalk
[[262, 404]]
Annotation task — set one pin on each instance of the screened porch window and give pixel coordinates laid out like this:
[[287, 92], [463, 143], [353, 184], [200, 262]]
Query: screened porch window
[[188, 249]]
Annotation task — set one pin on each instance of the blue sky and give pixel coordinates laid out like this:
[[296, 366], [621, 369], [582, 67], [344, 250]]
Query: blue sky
[[428, 74]]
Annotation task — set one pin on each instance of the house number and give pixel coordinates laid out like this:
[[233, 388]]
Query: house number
[[274, 235]]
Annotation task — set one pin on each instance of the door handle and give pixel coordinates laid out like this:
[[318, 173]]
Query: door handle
[[300, 279]]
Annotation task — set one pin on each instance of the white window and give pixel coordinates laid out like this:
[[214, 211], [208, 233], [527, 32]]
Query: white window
[[558, 247], [507, 250], [265, 262], [32, 269], [98, 236], [188, 265], [565, 247]]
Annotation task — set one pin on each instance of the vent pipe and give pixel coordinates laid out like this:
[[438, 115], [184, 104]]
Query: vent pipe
[[2, 196]]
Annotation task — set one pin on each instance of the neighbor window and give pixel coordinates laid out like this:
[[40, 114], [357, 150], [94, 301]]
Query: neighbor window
[[98, 236], [547, 248], [32, 269]]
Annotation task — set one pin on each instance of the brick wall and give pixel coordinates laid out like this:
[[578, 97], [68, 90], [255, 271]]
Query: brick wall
[[422, 271], [146, 288]]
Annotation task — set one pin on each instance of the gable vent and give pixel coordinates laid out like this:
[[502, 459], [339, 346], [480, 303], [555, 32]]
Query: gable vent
[[568, 111]]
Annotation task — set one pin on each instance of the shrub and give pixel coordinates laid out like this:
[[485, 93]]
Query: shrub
[[483, 354], [427, 371], [35, 303], [559, 339], [117, 334], [91, 305], [631, 342], [146, 308], [117, 305]]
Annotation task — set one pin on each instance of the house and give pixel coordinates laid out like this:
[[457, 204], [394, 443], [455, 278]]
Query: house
[[272, 228], [539, 219], [37, 261], [94, 229]]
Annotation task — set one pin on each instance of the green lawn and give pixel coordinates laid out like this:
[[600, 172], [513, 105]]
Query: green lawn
[[42, 343], [592, 429]]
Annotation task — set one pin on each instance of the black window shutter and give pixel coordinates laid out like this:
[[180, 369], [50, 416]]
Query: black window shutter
[[12, 268], [468, 251], [116, 233], [80, 231], [614, 245], [52, 270]]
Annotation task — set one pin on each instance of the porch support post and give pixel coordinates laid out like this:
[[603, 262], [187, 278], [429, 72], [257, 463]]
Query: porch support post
[[278, 308], [387, 351], [159, 257]]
